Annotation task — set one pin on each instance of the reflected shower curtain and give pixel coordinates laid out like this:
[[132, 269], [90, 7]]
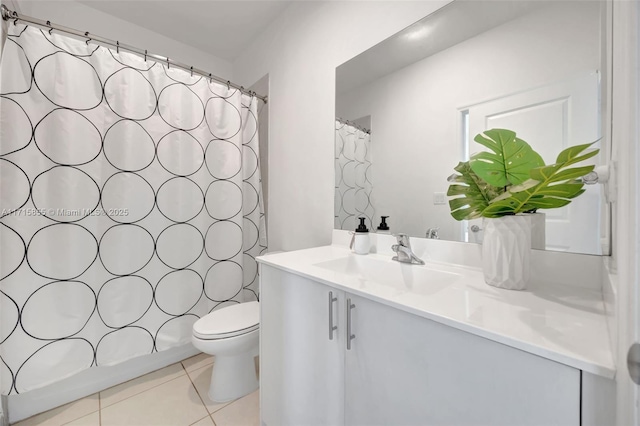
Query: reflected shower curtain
[[130, 206], [353, 186]]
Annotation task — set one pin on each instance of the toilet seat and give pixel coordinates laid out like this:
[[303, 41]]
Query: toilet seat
[[229, 321]]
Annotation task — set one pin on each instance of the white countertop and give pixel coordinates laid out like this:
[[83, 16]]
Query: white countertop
[[562, 323]]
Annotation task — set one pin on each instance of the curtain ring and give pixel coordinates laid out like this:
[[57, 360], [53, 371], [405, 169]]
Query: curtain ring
[[50, 27], [228, 85], [168, 65], [145, 55], [191, 71], [86, 34], [117, 47], [210, 79]]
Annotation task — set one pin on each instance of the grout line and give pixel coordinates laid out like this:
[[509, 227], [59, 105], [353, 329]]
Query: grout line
[[214, 422], [233, 402], [152, 387], [219, 407], [99, 409], [140, 393], [198, 368], [199, 420], [55, 408], [196, 389], [74, 419]]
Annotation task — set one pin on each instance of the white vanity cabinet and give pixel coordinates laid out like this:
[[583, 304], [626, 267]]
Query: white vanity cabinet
[[400, 369], [301, 369], [406, 370]]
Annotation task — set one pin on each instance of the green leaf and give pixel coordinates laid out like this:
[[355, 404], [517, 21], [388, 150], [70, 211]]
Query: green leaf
[[556, 186], [509, 163], [512, 178], [566, 190], [570, 155], [472, 193], [573, 173], [545, 172]]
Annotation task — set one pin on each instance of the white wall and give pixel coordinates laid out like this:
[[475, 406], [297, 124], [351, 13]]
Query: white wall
[[414, 111], [78, 16], [300, 51]]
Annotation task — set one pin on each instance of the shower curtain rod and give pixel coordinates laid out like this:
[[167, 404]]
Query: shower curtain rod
[[8, 14], [351, 123]]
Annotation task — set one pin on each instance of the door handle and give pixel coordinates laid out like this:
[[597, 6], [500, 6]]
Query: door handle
[[475, 228], [332, 327], [350, 336]]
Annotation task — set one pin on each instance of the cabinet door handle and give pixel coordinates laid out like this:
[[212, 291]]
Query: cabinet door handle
[[332, 327], [350, 336]]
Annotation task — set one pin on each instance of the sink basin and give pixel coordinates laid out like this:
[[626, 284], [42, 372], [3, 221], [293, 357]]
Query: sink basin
[[403, 277]]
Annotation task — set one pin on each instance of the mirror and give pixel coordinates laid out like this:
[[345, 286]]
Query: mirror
[[407, 111]]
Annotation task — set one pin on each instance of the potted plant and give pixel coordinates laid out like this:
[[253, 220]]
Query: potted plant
[[503, 186]]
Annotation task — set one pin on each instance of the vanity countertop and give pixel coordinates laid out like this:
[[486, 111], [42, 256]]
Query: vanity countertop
[[562, 323]]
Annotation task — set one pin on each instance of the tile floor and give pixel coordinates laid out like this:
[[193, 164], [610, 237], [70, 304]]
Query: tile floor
[[175, 395]]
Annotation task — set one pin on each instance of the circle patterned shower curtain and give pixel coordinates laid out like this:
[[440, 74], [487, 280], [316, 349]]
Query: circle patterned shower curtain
[[353, 181], [130, 205]]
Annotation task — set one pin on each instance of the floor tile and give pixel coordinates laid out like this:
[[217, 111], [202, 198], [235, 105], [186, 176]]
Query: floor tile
[[140, 384], [204, 422], [243, 412], [173, 403], [198, 361], [92, 419], [201, 379], [65, 413]]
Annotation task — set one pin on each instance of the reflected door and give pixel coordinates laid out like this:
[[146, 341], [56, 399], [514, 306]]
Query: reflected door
[[571, 116]]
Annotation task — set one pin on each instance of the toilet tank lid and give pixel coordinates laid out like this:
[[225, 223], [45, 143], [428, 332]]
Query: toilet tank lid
[[229, 319]]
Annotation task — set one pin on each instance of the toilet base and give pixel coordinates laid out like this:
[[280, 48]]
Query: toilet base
[[233, 377]]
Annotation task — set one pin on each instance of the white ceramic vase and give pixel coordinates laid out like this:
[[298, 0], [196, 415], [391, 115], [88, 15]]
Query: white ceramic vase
[[538, 231], [506, 251]]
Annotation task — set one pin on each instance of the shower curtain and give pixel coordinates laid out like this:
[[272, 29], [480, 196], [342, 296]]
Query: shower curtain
[[130, 205], [353, 188]]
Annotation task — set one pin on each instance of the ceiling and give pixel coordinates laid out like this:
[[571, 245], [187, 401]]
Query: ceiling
[[221, 28]]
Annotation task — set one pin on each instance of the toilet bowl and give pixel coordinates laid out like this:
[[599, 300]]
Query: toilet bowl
[[231, 335]]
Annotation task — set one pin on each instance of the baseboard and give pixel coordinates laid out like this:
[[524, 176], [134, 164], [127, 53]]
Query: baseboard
[[89, 382]]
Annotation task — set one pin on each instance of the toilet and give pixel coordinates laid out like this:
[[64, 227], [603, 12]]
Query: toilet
[[231, 335]]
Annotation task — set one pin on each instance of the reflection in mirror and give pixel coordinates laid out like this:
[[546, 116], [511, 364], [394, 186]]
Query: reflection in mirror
[[529, 66]]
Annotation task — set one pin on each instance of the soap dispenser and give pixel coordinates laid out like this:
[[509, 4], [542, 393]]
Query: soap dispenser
[[383, 228], [360, 241]]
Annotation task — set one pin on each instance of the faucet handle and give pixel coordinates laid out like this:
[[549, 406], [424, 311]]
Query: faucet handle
[[403, 239]]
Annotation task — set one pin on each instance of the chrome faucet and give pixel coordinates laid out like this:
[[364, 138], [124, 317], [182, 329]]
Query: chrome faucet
[[403, 248], [432, 233]]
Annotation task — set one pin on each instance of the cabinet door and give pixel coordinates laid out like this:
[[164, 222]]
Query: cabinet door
[[301, 369], [406, 370]]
